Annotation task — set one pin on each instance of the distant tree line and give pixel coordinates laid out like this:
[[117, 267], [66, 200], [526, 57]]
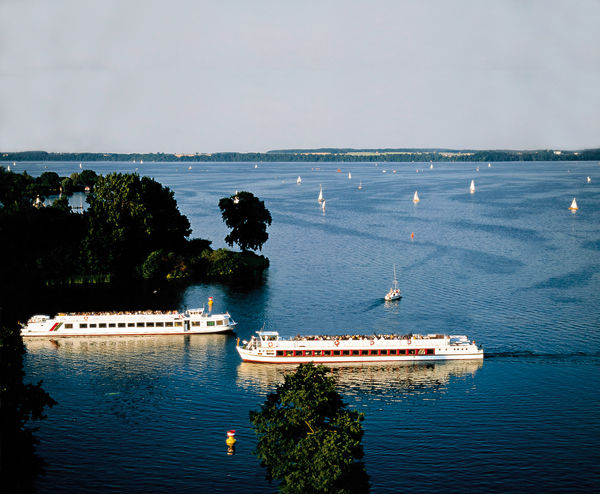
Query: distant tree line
[[320, 155]]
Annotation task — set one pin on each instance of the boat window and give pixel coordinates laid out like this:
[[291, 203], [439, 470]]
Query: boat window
[[346, 352], [178, 324], [336, 353], [131, 325], [220, 322], [68, 325], [92, 325], [210, 323], [83, 325], [430, 351], [112, 325], [102, 325], [195, 323], [280, 353], [160, 324], [421, 351], [289, 353], [297, 353], [393, 352], [373, 352], [318, 353], [308, 353], [139, 324], [412, 351], [121, 325], [355, 352], [149, 324], [169, 324]]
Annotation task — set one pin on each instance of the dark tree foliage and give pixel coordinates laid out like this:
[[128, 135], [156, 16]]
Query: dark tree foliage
[[307, 437], [128, 218], [248, 219], [20, 404]]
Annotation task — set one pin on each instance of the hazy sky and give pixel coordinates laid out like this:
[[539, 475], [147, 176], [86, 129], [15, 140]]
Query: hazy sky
[[252, 75]]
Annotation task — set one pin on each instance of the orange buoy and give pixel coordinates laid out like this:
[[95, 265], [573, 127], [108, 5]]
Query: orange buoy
[[412, 235]]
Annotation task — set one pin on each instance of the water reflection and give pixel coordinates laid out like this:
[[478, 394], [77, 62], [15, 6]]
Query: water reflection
[[366, 377]]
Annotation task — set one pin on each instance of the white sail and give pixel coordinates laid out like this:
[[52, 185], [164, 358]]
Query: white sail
[[299, 180], [416, 197], [472, 187], [431, 166], [323, 205], [573, 206], [360, 185], [349, 175], [589, 179], [321, 193]]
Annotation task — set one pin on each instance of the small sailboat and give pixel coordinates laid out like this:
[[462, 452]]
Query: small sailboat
[[431, 166], [416, 197], [472, 187], [80, 166], [489, 165], [573, 207], [323, 205], [255, 166], [8, 168], [299, 180], [589, 179], [394, 293], [349, 175], [477, 169], [190, 167], [321, 193], [360, 185]]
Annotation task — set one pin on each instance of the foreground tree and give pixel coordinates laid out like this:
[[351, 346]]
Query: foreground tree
[[248, 218], [20, 404], [307, 437]]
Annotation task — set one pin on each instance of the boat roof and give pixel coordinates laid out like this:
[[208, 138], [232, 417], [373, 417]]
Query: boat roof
[[268, 333]]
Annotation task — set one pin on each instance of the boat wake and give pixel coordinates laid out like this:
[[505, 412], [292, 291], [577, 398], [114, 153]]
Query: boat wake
[[538, 355]]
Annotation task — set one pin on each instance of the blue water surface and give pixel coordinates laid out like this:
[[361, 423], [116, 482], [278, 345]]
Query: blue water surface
[[509, 265]]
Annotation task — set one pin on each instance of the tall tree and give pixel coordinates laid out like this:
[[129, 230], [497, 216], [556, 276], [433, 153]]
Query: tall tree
[[128, 218], [248, 218], [307, 437]]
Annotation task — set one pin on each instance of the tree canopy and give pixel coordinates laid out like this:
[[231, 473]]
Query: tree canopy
[[128, 218], [308, 438], [248, 219]]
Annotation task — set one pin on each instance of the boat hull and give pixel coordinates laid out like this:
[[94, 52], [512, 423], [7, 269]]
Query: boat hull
[[248, 356]]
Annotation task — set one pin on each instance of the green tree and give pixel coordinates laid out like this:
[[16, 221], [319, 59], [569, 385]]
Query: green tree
[[128, 218], [248, 218], [20, 404], [307, 437]]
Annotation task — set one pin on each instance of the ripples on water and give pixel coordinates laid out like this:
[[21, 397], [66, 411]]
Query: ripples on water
[[509, 266]]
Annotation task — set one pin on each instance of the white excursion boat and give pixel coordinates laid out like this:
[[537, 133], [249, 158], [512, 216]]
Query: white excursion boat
[[394, 293], [268, 347], [192, 321]]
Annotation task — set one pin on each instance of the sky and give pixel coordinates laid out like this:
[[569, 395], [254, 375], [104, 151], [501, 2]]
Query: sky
[[194, 76]]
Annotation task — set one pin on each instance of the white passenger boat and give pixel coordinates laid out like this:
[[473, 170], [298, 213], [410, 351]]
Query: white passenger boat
[[192, 321], [268, 347]]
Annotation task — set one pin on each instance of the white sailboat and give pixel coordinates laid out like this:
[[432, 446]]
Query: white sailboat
[[431, 166], [416, 197], [573, 207], [323, 205], [299, 180], [394, 293], [349, 176], [472, 187], [360, 185], [321, 193], [589, 179]]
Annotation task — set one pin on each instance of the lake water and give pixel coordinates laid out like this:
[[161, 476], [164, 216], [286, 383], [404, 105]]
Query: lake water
[[509, 265]]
